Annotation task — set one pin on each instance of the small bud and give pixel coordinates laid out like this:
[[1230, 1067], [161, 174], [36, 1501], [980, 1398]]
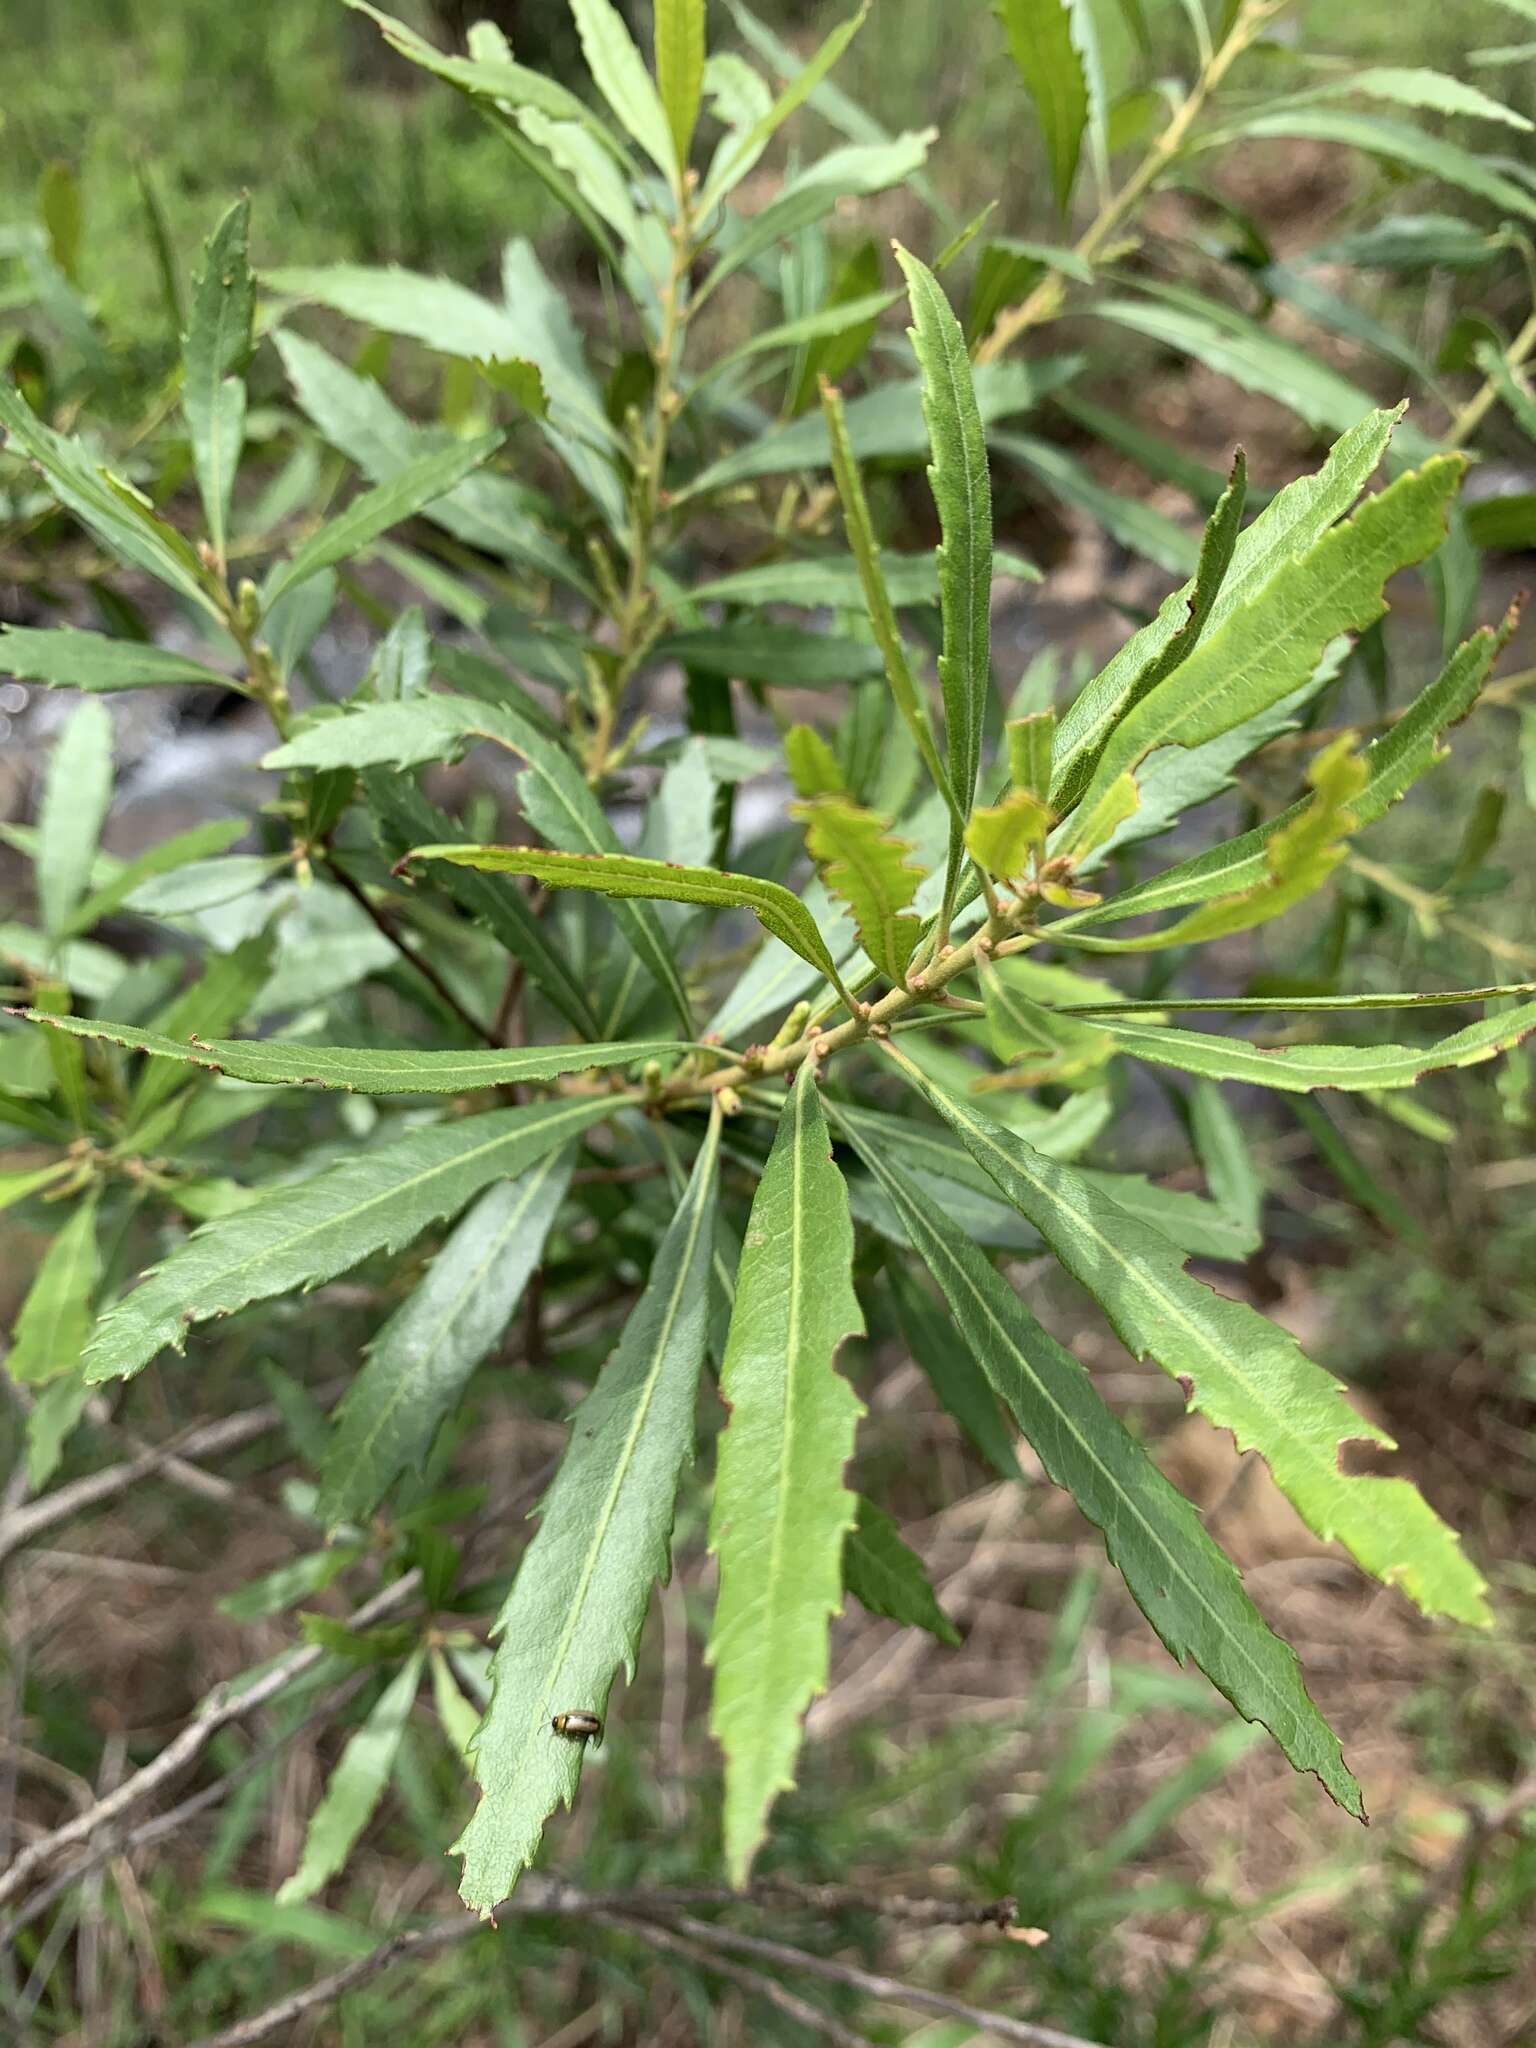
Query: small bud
[[791, 1028]]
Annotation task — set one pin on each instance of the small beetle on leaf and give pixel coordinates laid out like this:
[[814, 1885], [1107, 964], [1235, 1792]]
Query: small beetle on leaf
[[578, 1726]]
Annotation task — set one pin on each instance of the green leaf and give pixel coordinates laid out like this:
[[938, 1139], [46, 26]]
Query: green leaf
[[76, 797], [459, 1716], [1299, 857], [1031, 746], [406, 819], [367, 1069], [1300, 1068], [885, 422], [679, 40], [1417, 87], [1240, 1371], [1231, 1173], [866, 867], [555, 797], [623, 875], [740, 151], [1003, 838], [1234, 346], [962, 492], [299, 1579], [1187, 1588], [1261, 652], [1040, 42], [220, 997], [835, 318], [374, 511], [886, 1577], [69, 659], [577, 1605], [1293, 522], [619, 73], [781, 1510], [762, 651], [121, 518], [812, 765], [1393, 764], [1217, 547], [1137, 526], [297, 1236], [185, 848], [953, 1373], [421, 1360], [1398, 144], [487, 510], [355, 1787], [1038, 1042], [55, 1318], [877, 602], [214, 355], [55, 1413]]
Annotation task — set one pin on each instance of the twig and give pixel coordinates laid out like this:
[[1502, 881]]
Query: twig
[[325, 1991], [112, 1846], [642, 1916], [834, 1898], [216, 1711], [890, 1990], [422, 965], [769, 1988], [229, 1433]]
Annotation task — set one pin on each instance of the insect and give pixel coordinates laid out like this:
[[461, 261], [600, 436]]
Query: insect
[[578, 1726]]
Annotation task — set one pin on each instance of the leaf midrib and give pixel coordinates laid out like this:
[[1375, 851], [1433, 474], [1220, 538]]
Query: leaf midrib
[[390, 1195]]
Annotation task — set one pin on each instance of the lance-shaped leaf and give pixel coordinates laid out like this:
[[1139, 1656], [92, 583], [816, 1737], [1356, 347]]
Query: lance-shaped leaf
[[576, 1607], [1003, 838], [355, 1787], [781, 1511], [955, 1376], [214, 354], [70, 659], [200, 844], [421, 1361], [1299, 856], [1031, 746], [1241, 1371], [877, 601], [813, 767], [55, 1319], [619, 73], [120, 517], [222, 994], [868, 869], [1217, 547], [74, 808], [623, 875], [555, 797], [962, 492], [1187, 1588], [1038, 1042], [1040, 42], [1301, 1068], [373, 512], [741, 149], [1393, 764], [405, 819], [298, 1236], [1268, 648], [885, 1576], [1295, 519], [367, 1069], [679, 39]]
